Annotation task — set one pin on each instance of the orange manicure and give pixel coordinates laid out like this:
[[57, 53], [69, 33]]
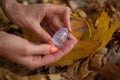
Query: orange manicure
[[70, 30], [53, 49], [50, 42]]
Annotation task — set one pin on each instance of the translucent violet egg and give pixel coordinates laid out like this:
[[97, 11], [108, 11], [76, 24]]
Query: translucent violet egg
[[60, 37]]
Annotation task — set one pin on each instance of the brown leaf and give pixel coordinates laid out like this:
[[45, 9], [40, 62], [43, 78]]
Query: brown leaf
[[96, 61], [91, 76], [110, 71], [83, 72]]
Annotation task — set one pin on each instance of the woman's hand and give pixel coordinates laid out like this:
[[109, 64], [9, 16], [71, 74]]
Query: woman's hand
[[31, 54], [35, 15], [35, 54]]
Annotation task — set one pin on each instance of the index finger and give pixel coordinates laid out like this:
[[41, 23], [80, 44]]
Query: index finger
[[65, 13]]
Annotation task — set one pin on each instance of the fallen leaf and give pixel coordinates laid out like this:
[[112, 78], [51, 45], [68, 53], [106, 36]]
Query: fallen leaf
[[103, 32], [12, 76], [81, 50], [30, 35], [83, 72], [110, 71], [96, 61]]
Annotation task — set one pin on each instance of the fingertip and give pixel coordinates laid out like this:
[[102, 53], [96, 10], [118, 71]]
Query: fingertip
[[70, 30], [50, 42], [53, 49], [65, 11]]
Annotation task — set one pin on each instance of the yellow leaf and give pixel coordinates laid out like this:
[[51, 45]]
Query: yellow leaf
[[103, 32], [81, 50], [108, 36], [29, 35], [79, 26]]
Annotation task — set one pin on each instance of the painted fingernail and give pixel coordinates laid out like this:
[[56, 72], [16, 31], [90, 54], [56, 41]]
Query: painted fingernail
[[50, 42], [70, 31], [53, 49]]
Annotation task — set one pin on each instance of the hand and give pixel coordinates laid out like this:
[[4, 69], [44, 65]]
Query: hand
[[35, 54], [35, 15], [31, 54]]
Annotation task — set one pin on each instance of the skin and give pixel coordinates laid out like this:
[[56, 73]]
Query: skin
[[32, 17]]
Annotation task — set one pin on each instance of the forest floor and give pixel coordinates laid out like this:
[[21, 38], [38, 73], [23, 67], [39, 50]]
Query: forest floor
[[105, 65]]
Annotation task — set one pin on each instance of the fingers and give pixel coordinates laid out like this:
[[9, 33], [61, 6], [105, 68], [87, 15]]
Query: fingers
[[66, 17], [65, 13], [45, 60], [41, 49], [33, 62], [46, 24], [56, 23], [72, 38]]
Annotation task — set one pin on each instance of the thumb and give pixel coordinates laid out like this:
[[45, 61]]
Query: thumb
[[42, 49]]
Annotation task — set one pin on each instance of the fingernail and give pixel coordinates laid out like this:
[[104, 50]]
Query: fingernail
[[50, 42], [53, 49], [70, 31]]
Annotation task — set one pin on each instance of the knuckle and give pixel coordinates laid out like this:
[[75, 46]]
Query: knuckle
[[47, 5], [31, 66], [67, 9]]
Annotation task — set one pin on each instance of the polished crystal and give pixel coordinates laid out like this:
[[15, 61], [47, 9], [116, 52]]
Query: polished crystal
[[60, 36]]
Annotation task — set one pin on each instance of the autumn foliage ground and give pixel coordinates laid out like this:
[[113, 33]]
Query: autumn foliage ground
[[96, 24]]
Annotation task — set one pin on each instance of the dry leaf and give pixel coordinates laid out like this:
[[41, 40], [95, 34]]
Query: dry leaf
[[7, 75], [91, 76], [11, 76], [99, 34], [79, 27], [72, 71], [30, 35], [103, 32], [110, 72], [83, 72], [81, 50], [96, 61]]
